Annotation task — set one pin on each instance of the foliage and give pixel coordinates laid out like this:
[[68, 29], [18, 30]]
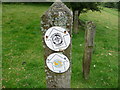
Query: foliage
[[84, 6], [110, 4], [23, 63]]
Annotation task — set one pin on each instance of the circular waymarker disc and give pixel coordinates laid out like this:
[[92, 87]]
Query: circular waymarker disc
[[58, 62], [57, 38]]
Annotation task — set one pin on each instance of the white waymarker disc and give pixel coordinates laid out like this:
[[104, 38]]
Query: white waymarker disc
[[58, 62], [57, 38]]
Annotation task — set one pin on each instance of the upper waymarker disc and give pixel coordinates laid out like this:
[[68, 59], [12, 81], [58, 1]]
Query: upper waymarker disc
[[57, 38]]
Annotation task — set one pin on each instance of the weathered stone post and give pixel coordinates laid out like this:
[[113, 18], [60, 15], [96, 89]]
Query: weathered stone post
[[57, 15], [89, 43]]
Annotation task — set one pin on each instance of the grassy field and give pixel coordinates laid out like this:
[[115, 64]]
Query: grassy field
[[23, 63], [0, 44]]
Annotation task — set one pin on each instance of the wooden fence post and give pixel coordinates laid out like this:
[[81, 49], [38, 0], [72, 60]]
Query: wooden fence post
[[76, 23], [57, 15], [89, 43]]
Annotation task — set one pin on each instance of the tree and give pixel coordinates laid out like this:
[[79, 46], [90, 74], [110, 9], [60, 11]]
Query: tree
[[110, 4], [80, 7]]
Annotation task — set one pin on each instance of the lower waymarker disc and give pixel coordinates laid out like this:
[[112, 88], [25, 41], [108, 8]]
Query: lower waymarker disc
[[58, 62]]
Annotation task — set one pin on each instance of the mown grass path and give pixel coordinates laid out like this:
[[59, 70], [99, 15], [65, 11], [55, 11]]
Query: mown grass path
[[23, 64]]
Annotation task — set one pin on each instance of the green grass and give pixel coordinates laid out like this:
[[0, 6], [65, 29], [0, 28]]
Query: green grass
[[22, 43], [0, 45]]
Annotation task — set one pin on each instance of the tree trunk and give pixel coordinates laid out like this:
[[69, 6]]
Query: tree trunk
[[76, 21]]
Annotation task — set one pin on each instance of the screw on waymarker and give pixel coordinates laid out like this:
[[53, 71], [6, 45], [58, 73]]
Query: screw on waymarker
[[64, 32], [65, 58], [46, 36]]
